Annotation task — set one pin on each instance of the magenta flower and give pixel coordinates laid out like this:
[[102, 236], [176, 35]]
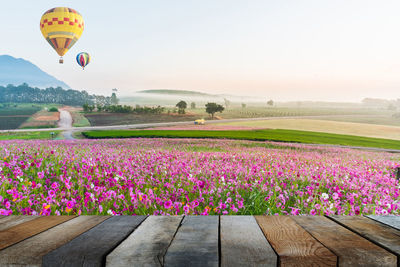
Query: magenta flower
[[168, 204]]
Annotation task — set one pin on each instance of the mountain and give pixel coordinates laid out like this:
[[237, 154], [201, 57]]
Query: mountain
[[17, 71], [174, 92]]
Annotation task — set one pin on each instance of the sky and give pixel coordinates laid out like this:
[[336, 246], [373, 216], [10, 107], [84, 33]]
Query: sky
[[289, 50]]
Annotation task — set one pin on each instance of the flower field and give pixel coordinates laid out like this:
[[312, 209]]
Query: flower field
[[188, 176]]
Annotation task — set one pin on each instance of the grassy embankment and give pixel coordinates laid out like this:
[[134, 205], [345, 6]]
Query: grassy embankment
[[257, 135], [28, 135]]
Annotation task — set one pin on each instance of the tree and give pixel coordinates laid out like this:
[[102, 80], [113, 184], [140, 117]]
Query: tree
[[91, 108], [99, 107], [212, 108], [181, 107], [85, 107], [270, 103], [114, 99], [192, 105]]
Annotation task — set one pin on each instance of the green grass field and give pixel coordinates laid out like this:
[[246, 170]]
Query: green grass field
[[79, 120], [258, 135], [28, 135]]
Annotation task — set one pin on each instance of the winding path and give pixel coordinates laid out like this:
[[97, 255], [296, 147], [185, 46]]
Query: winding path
[[65, 123]]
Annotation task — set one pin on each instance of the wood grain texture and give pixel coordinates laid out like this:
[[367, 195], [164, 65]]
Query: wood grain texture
[[351, 249], [381, 234], [10, 221], [391, 220], [31, 251], [244, 244], [195, 243], [147, 245], [92, 247], [293, 244], [27, 229]]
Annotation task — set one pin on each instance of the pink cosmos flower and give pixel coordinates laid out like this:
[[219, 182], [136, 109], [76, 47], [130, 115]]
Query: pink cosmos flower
[[52, 193], [168, 204], [40, 175]]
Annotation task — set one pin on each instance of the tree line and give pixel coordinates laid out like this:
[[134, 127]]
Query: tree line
[[25, 94], [123, 109], [211, 108]]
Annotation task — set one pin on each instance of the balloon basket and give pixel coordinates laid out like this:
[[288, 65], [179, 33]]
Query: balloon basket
[[61, 61]]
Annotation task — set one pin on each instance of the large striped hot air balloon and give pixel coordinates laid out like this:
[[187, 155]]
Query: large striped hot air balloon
[[62, 27], [83, 59]]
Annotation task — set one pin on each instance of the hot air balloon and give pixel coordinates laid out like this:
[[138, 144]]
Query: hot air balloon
[[61, 27], [83, 59]]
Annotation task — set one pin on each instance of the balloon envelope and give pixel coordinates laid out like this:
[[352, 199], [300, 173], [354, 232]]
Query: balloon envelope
[[61, 27], [83, 59]]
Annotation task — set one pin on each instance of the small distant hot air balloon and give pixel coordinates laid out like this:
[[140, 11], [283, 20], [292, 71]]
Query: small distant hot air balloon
[[83, 59], [61, 27]]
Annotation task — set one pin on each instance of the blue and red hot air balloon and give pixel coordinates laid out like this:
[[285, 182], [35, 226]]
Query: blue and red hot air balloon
[[83, 59]]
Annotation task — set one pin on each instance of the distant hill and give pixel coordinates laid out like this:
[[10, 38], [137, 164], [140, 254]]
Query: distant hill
[[17, 71], [174, 92]]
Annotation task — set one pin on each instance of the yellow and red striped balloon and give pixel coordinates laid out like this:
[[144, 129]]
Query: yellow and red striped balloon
[[83, 59], [61, 27]]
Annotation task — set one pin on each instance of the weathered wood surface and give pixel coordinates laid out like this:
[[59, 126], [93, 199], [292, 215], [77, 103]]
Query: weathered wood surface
[[198, 240], [147, 245], [92, 247], [195, 243], [10, 221], [391, 220], [383, 235], [294, 245], [244, 244], [27, 229], [30, 251], [352, 249]]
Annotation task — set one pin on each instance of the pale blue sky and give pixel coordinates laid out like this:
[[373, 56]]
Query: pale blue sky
[[287, 50]]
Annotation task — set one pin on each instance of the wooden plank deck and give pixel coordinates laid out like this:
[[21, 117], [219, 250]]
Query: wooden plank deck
[[199, 241]]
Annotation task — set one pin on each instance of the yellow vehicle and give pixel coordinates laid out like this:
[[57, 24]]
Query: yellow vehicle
[[199, 122]]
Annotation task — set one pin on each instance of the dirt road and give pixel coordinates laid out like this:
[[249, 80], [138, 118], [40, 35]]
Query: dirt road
[[65, 123]]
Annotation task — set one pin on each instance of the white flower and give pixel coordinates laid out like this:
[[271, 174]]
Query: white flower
[[92, 186], [384, 212], [1, 169], [109, 212], [324, 196]]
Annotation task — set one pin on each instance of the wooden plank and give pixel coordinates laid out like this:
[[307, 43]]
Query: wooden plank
[[25, 230], [147, 245], [91, 248], [10, 221], [391, 220], [195, 243], [293, 244], [244, 244], [30, 251], [352, 249], [383, 235]]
